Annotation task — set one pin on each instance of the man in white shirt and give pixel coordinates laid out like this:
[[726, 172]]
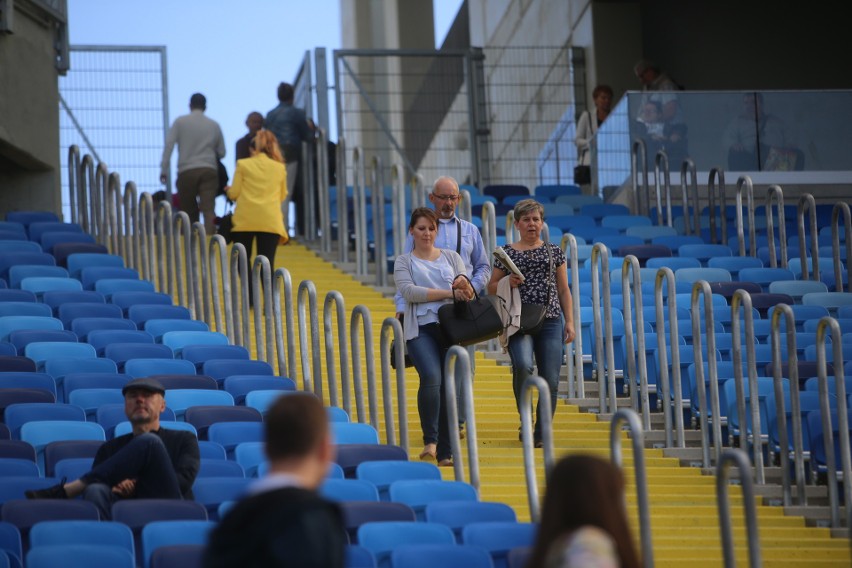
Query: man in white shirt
[[200, 147]]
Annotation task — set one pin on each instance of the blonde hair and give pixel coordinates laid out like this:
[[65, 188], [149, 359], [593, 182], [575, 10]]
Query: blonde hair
[[265, 141]]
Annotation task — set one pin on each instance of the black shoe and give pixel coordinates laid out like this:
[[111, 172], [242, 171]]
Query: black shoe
[[537, 443], [53, 492], [461, 431]]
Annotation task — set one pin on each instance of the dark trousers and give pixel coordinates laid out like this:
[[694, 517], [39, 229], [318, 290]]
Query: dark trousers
[[266, 245]]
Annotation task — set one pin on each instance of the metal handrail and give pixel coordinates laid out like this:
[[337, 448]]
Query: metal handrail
[[309, 195], [785, 311], [489, 227], [218, 248], [717, 173], [281, 278], [99, 202], [829, 324], [745, 182], [639, 399], [639, 205], [603, 330], [113, 212], [775, 194], [359, 194], [342, 204], [510, 228], [629, 418], [239, 276], [74, 174], [130, 242], [458, 361], [418, 191], [546, 425], [144, 236], [362, 314], [380, 250], [86, 184], [163, 241], [576, 384], [390, 326], [661, 165], [334, 301], [182, 246], [323, 191], [261, 275], [398, 206], [743, 298], [465, 209], [807, 203], [312, 377], [738, 458], [665, 273], [689, 171], [841, 207], [198, 264], [702, 287]]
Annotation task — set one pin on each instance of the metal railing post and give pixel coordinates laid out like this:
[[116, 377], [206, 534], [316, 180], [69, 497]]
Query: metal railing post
[[637, 367], [702, 287], [362, 314], [334, 300], [489, 226], [312, 376], [629, 418], [74, 174], [129, 242], [743, 298], [465, 209], [181, 252], [841, 208], [676, 405], [688, 170], [261, 275], [716, 174], [218, 249], [745, 181], [360, 211], [661, 166], [605, 369], [323, 191], [739, 459], [576, 380], [638, 147], [112, 212], [239, 274], [164, 243], [380, 250], [198, 261], [281, 278], [390, 326], [398, 206], [458, 361], [774, 194], [144, 236], [525, 406], [830, 325], [807, 203], [99, 202], [785, 311], [342, 204]]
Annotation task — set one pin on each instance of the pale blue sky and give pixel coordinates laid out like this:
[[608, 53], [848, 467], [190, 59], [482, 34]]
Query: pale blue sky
[[235, 53]]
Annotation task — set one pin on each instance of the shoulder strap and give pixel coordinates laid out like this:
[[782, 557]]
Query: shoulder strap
[[458, 236]]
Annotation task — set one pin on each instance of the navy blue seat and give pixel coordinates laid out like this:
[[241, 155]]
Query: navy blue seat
[[101, 338], [122, 352], [68, 312], [138, 297], [10, 259], [61, 251], [49, 240], [23, 337], [55, 298], [85, 325]]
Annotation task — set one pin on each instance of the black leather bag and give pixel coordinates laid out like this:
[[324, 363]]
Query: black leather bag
[[582, 174], [474, 321], [408, 361], [532, 315], [226, 225]]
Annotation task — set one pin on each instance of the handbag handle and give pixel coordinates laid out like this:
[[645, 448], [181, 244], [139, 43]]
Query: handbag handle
[[475, 295]]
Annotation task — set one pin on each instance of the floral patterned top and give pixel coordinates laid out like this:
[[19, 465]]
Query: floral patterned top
[[535, 266]]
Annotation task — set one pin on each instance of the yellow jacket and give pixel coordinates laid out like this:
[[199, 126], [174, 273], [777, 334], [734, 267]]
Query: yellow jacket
[[259, 188]]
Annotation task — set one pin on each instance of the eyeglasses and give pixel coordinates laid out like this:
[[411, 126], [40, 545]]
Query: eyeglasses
[[447, 197]]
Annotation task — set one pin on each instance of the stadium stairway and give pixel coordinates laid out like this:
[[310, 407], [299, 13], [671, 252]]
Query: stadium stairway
[[684, 518]]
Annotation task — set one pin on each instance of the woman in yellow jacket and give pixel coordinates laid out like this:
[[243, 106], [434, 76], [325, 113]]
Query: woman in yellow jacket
[[259, 188]]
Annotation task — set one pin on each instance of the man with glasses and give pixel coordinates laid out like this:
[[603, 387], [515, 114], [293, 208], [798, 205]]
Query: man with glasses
[[458, 235]]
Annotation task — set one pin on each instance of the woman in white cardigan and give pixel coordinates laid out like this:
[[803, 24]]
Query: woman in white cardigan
[[587, 127], [427, 278]]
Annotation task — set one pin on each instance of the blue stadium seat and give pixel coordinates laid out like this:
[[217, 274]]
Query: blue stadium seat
[[85, 325], [68, 312], [157, 534], [140, 313], [36, 229], [356, 513], [419, 493], [250, 455], [428, 555], [9, 324], [240, 385], [203, 416], [143, 367], [18, 272], [177, 340], [498, 538], [230, 434], [181, 399], [47, 533], [211, 491], [382, 538], [53, 238], [349, 490], [76, 262], [220, 369], [61, 251], [64, 450], [110, 286], [383, 473]]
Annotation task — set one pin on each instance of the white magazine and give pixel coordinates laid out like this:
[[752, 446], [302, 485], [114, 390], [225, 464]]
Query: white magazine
[[501, 255]]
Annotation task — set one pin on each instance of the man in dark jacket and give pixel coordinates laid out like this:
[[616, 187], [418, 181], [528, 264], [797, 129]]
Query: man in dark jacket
[[283, 522], [150, 462]]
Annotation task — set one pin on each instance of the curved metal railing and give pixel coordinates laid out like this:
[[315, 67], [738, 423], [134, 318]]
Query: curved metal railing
[[457, 362], [525, 407], [661, 166], [807, 204], [774, 194], [745, 182], [738, 459], [717, 176]]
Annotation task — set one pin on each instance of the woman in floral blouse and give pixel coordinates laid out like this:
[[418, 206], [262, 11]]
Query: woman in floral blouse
[[545, 281]]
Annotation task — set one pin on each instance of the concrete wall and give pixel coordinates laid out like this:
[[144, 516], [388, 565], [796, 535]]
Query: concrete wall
[[29, 117]]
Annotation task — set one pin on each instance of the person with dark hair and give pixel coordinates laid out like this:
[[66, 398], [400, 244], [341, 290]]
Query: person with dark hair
[[254, 122], [583, 521], [587, 124], [150, 462], [291, 127], [200, 147], [426, 278], [282, 521]]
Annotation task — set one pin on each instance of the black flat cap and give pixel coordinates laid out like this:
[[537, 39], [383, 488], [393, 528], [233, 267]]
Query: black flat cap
[[144, 383]]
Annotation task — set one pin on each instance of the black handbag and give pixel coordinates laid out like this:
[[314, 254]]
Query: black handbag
[[532, 315], [582, 174], [408, 361], [226, 225], [468, 322], [222, 178]]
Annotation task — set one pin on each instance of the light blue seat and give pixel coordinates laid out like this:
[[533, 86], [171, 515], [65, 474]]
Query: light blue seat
[[25, 309], [77, 261], [765, 276], [41, 284], [42, 432], [62, 532], [72, 468], [68, 312], [141, 313], [147, 367], [704, 273], [382, 538], [383, 473], [240, 385], [123, 352], [90, 275], [458, 514], [797, 288], [826, 264], [20, 413], [157, 534], [83, 326], [429, 555], [181, 399], [8, 324], [42, 351], [125, 427], [833, 301], [353, 433], [212, 491], [262, 399], [177, 340], [220, 369], [250, 455], [337, 489], [93, 398], [419, 493], [647, 233], [19, 272], [623, 222], [100, 339], [673, 262], [734, 264], [220, 468], [231, 434], [28, 380], [337, 414], [37, 229], [498, 538], [88, 555], [158, 327], [109, 286]]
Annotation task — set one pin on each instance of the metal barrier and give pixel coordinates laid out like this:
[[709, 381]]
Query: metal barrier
[[112, 211], [661, 165], [309, 196], [525, 407], [334, 300], [85, 188], [743, 298], [489, 227], [665, 389], [702, 287], [99, 202], [418, 191], [774, 194], [576, 382], [510, 228], [182, 246], [605, 369], [280, 278], [145, 236], [640, 205], [785, 311], [323, 191], [307, 287], [629, 418], [362, 314], [808, 204], [359, 207], [162, 241], [197, 263], [239, 275], [745, 181], [465, 209], [130, 242], [398, 222], [717, 175], [392, 325], [738, 458], [825, 325], [688, 171], [218, 249], [75, 172], [380, 250], [841, 208], [261, 276], [458, 361], [342, 205], [637, 367]]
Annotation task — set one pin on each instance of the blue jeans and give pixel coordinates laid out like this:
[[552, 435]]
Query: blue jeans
[[428, 351], [544, 350], [144, 459]]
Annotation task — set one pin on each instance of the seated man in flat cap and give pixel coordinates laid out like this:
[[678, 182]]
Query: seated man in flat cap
[[150, 462]]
